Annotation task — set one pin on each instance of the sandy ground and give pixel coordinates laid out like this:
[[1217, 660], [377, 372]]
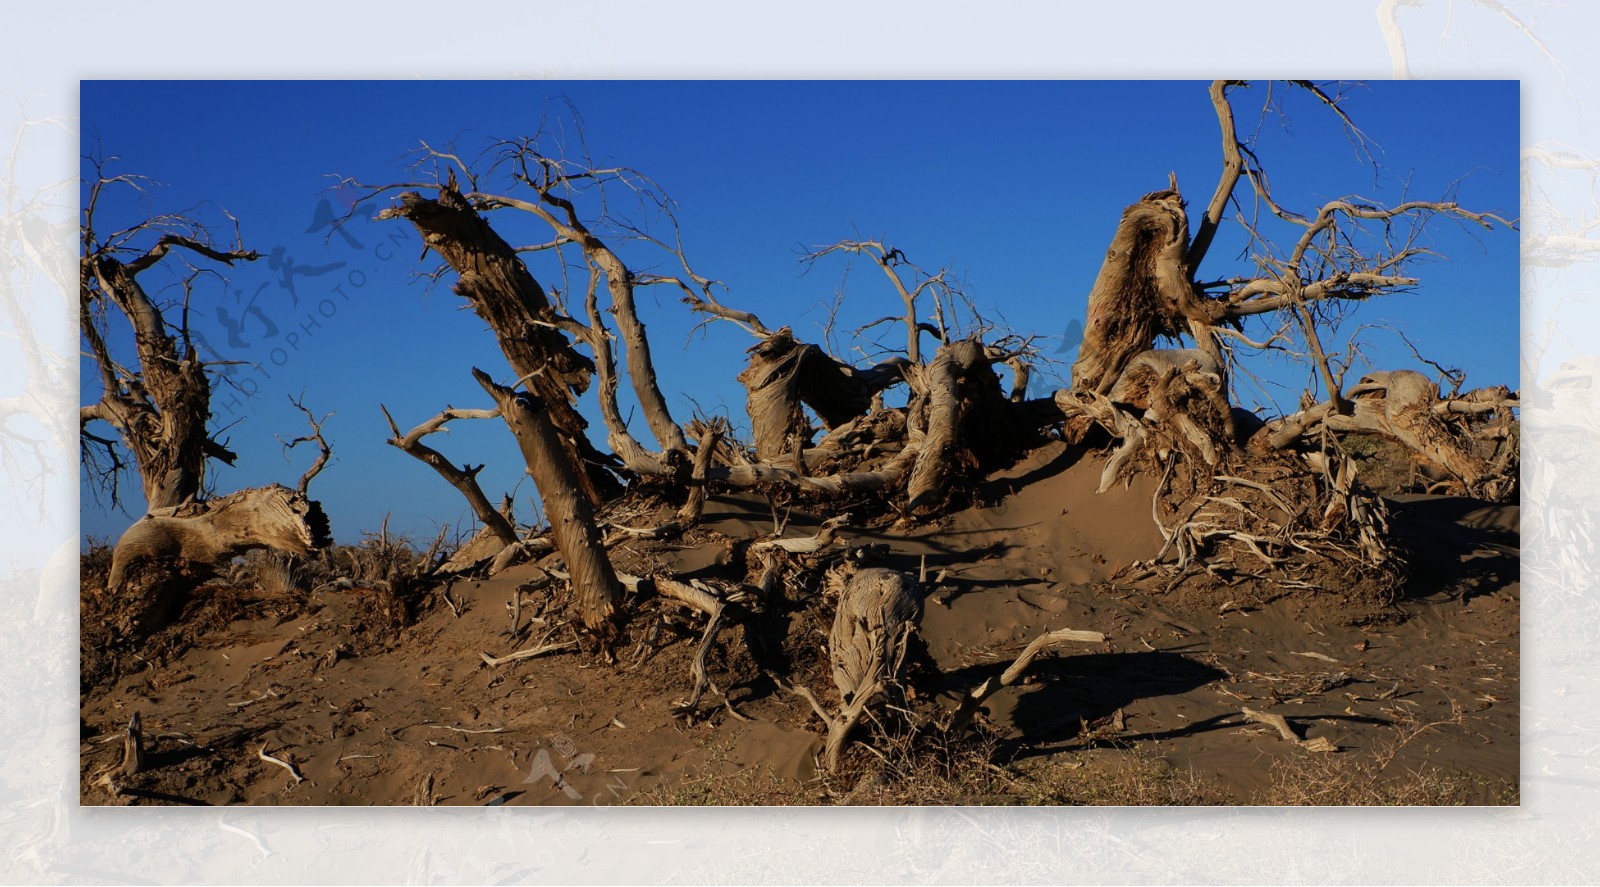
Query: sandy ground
[[419, 717]]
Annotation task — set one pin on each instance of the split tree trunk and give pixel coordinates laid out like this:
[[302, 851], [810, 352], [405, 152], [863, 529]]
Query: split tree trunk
[[1143, 290], [1144, 273], [502, 291], [785, 374]]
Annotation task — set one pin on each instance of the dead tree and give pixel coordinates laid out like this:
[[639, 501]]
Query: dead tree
[[1148, 289], [1286, 510], [575, 200], [572, 477], [159, 404]]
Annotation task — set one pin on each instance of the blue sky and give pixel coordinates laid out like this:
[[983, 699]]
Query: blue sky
[[1015, 185]]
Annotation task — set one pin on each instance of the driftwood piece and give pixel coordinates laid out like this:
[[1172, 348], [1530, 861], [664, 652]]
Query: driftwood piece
[[530, 653], [1083, 406], [1275, 721], [281, 762], [877, 607], [1401, 404], [1142, 372], [975, 698], [514, 553], [832, 485], [160, 559], [703, 599], [824, 537], [1320, 744], [208, 532]]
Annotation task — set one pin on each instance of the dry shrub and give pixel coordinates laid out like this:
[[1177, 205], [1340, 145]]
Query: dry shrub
[[926, 768], [94, 564], [931, 768], [1312, 780], [394, 574], [282, 576]]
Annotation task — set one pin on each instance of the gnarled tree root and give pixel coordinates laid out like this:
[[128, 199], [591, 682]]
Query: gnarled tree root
[[165, 554]]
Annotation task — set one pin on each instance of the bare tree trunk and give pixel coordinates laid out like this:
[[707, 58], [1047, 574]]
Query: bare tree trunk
[[161, 410], [962, 409], [1143, 290], [497, 284], [572, 517]]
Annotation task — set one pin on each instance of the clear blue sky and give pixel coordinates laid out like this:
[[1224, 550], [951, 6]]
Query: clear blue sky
[[1017, 186]]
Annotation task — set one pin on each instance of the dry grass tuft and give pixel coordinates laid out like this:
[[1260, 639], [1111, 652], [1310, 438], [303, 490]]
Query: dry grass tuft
[[1377, 780], [935, 769]]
